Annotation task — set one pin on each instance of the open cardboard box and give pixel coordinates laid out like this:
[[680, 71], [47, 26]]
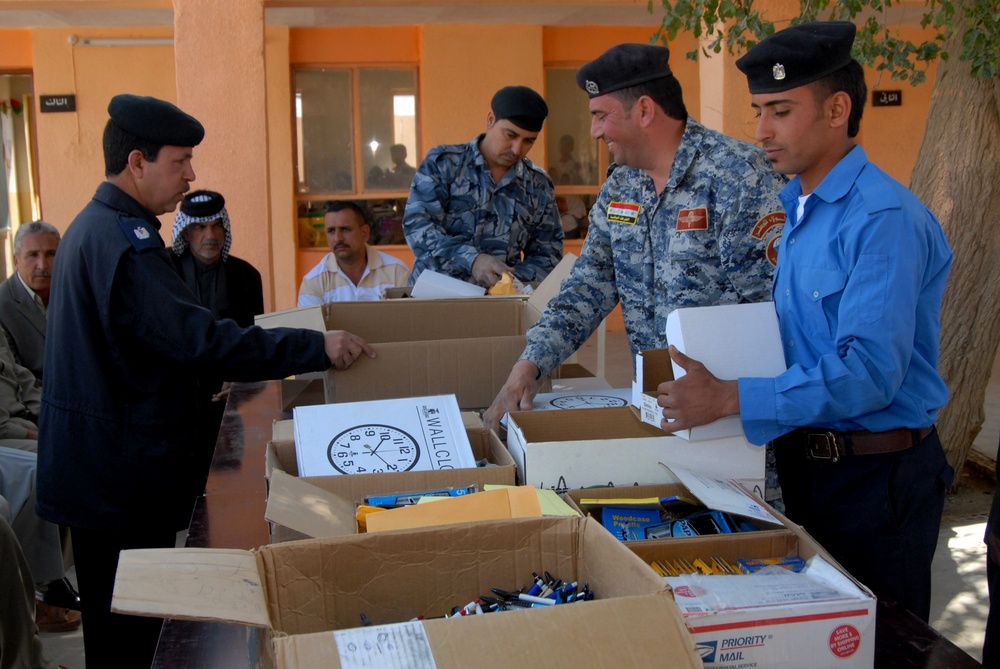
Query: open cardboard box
[[831, 634], [464, 347], [726, 496], [562, 450], [301, 591], [322, 506]]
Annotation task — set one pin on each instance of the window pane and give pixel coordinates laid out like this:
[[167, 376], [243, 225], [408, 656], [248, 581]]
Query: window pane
[[388, 119], [572, 154], [323, 126]]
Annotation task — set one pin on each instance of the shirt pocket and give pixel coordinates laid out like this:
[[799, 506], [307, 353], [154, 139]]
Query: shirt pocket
[[821, 292], [692, 246]]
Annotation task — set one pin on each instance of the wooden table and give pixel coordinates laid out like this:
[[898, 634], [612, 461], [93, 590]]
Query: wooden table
[[231, 515]]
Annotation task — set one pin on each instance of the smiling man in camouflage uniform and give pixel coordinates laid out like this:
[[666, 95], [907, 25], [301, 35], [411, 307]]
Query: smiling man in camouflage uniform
[[477, 210], [687, 217]]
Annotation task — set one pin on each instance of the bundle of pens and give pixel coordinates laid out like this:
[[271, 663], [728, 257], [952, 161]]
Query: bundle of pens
[[543, 591]]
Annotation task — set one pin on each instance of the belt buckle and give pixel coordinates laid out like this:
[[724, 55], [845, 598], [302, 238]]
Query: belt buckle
[[822, 446]]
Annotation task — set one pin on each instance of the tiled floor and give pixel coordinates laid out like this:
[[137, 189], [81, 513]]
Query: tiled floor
[[960, 603]]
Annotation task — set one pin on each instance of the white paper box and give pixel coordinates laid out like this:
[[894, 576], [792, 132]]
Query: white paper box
[[562, 450], [732, 341]]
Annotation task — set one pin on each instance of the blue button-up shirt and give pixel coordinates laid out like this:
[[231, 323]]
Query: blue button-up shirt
[[858, 292]]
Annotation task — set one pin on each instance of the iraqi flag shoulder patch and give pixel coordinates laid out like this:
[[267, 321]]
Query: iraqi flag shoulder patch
[[626, 213]]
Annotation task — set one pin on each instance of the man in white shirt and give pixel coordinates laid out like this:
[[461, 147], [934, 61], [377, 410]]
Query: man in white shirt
[[352, 270]]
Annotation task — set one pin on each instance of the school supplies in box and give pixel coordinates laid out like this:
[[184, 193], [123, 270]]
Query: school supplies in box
[[627, 523], [407, 498], [791, 563]]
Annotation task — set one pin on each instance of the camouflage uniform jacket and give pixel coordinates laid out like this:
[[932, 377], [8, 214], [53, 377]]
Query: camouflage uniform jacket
[[711, 237], [455, 212]]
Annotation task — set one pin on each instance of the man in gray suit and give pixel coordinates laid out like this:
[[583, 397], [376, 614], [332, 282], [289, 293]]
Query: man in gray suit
[[24, 296]]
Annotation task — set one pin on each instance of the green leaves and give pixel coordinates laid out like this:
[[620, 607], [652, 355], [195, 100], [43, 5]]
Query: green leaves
[[736, 26]]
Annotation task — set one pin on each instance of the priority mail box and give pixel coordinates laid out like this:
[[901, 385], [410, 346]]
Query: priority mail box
[[323, 506], [562, 450], [464, 347], [836, 634], [309, 596], [731, 340]]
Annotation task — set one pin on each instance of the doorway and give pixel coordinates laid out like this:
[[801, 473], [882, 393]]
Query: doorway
[[21, 204]]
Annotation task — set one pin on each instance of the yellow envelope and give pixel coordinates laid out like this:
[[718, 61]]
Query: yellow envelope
[[517, 502]]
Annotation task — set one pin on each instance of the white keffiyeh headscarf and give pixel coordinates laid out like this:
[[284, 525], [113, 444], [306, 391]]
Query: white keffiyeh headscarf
[[201, 206]]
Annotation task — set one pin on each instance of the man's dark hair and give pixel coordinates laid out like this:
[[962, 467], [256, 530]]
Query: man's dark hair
[[665, 91], [334, 206], [119, 143], [851, 80]]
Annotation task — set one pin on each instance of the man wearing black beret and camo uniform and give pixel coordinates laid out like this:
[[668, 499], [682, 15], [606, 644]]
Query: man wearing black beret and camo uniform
[[688, 217], [477, 210]]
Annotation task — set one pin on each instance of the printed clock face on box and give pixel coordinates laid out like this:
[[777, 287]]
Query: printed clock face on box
[[587, 401], [371, 448]]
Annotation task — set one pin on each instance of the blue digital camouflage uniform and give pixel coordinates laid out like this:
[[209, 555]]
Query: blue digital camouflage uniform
[[455, 212], [711, 237]]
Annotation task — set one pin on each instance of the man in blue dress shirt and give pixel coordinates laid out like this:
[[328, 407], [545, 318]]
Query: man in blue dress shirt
[[858, 291]]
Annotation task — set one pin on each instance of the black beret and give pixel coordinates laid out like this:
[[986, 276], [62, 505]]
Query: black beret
[[622, 66], [202, 203], [521, 106], [155, 121], [797, 56]]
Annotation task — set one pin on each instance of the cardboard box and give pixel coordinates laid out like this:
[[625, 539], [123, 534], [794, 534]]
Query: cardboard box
[[562, 450], [298, 592], [831, 634], [573, 498], [464, 347], [652, 367], [324, 506], [727, 496]]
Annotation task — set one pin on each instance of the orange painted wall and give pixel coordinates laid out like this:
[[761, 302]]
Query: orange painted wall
[[15, 50], [353, 46], [70, 157], [233, 109]]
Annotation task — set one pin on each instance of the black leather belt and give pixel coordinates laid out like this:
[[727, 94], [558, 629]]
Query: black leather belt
[[830, 445]]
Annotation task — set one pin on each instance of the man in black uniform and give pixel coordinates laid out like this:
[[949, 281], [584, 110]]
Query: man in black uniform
[[126, 340]]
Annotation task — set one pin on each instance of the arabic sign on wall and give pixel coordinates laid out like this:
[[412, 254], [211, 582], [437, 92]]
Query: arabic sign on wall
[[57, 103]]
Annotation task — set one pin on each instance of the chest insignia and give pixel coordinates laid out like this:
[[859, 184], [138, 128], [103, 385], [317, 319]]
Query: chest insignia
[[692, 219]]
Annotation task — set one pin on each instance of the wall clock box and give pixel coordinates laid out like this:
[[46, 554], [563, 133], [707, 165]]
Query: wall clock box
[[321, 506]]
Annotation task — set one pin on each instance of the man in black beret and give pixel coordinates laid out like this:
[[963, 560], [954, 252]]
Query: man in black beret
[[228, 286], [687, 217], [477, 210], [117, 453], [858, 294]]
